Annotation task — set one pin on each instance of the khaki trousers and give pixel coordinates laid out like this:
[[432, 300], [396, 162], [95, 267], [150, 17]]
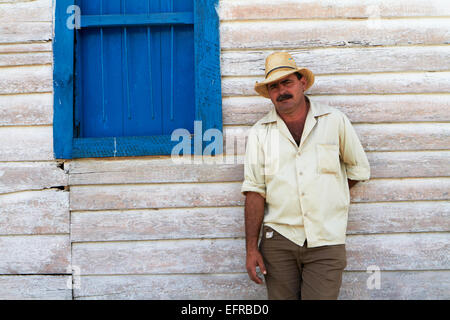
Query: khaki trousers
[[297, 272]]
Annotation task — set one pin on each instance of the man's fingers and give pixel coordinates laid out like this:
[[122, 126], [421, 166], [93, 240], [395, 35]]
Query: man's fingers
[[252, 274], [262, 267], [255, 278]]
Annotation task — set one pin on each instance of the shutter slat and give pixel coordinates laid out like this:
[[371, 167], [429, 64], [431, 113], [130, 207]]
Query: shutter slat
[[152, 19]]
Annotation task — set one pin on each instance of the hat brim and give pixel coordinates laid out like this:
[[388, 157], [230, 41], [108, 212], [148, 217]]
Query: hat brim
[[261, 87]]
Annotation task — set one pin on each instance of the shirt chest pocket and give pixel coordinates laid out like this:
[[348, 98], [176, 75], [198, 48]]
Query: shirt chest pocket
[[327, 158]]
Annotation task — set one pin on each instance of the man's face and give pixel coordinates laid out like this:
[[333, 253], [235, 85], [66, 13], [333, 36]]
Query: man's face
[[287, 93]]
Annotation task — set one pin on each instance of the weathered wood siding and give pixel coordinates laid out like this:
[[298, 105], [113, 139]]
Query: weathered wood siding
[[148, 228], [35, 259], [153, 224]]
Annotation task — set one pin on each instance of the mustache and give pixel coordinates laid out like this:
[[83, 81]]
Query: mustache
[[284, 97]]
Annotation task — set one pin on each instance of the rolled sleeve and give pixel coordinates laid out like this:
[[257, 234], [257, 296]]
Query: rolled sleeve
[[254, 179], [352, 153]]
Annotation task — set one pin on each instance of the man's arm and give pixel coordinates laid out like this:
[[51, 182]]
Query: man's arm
[[254, 214]]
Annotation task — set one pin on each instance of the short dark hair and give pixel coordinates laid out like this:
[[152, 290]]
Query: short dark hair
[[299, 75]]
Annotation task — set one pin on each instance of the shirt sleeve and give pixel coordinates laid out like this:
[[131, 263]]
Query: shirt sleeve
[[254, 179], [351, 152]]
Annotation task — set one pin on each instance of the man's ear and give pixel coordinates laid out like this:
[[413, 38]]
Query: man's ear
[[304, 82]]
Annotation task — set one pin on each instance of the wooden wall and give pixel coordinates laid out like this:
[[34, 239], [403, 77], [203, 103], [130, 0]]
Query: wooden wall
[[34, 207], [147, 228]]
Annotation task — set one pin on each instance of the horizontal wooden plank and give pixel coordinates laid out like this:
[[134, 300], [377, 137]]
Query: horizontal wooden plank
[[310, 9], [157, 224], [39, 46], [333, 33], [228, 222], [155, 196], [228, 194], [231, 168], [373, 137], [35, 287], [409, 164], [20, 176], [35, 212], [26, 11], [27, 109], [13, 32], [391, 108], [26, 79], [37, 254], [407, 251], [335, 60], [386, 137], [137, 257], [178, 287], [397, 285], [358, 108], [396, 217], [413, 251], [22, 59], [151, 170], [401, 190], [380, 83], [26, 143]]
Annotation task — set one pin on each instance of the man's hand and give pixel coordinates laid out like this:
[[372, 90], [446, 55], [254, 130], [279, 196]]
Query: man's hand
[[255, 259]]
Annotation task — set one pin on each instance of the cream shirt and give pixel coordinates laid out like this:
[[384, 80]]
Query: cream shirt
[[305, 187]]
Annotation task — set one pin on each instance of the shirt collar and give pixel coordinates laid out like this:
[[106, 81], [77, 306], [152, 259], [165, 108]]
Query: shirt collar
[[317, 110]]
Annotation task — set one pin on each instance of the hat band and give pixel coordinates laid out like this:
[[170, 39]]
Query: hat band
[[279, 68]]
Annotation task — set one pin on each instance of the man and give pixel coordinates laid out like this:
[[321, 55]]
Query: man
[[301, 158]]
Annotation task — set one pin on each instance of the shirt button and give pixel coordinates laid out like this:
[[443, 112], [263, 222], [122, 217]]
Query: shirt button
[[300, 173], [303, 193], [306, 213]]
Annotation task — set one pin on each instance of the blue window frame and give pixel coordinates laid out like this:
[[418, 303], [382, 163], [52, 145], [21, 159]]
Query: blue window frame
[[135, 71]]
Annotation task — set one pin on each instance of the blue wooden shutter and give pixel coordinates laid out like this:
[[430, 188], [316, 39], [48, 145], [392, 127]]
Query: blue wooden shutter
[[143, 68]]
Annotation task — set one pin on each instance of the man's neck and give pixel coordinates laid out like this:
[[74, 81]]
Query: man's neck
[[299, 116]]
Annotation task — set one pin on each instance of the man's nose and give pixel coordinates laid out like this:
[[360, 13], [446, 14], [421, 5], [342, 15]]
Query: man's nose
[[282, 89]]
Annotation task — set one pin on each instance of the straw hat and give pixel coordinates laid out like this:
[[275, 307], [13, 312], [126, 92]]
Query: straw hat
[[279, 65]]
